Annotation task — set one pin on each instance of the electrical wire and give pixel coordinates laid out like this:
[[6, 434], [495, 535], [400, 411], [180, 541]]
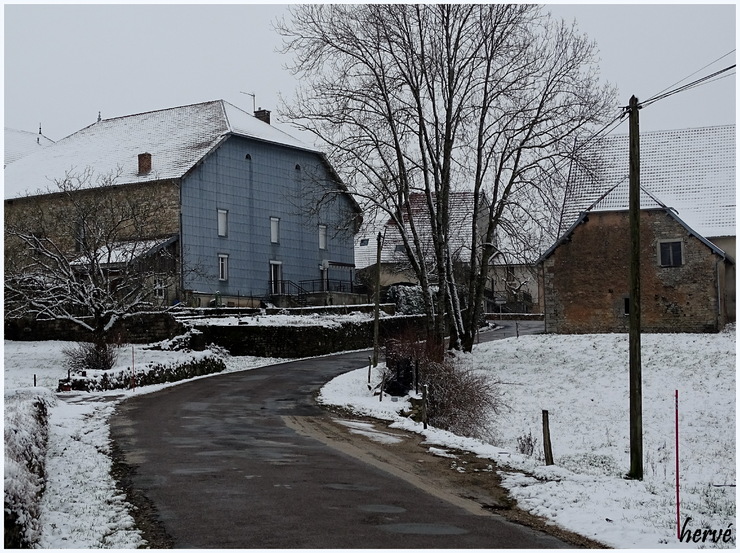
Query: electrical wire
[[693, 84], [694, 73]]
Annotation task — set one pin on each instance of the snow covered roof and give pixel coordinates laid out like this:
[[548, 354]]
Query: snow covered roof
[[689, 170], [19, 144], [127, 251], [177, 139], [461, 211]]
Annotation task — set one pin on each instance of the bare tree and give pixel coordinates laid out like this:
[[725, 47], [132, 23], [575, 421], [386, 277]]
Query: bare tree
[[432, 99], [89, 252]]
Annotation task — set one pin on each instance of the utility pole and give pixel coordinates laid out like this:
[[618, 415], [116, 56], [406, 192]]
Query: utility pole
[[376, 324], [636, 468]]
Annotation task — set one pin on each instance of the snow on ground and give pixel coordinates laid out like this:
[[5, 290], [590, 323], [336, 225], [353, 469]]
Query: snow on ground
[[81, 507], [582, 381]]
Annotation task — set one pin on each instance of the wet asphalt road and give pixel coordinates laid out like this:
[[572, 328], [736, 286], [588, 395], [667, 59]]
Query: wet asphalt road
[[224, 471]]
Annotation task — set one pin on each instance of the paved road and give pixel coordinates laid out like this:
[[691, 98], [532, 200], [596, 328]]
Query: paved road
[[224, 471]]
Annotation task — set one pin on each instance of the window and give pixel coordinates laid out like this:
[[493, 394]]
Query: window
[[671, 253], [364, 242], [223, 266], [275, 230], [223, 222], [400, 248], [626, 306], [159, 288], [322, 237]]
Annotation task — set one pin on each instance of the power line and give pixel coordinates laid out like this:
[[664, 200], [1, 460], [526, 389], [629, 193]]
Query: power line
[[693, 84], [695, 72]]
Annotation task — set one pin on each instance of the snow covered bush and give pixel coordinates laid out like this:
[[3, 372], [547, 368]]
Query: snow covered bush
[[408, 299], [26, 431], [152, 373], [88, 356]]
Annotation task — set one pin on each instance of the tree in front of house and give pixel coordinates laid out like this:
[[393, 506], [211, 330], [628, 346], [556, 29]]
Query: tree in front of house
[[89, 252], [429, 99]]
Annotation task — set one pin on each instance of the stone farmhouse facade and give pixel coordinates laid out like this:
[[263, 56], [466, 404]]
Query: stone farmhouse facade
[[236, 200], [687, 244]]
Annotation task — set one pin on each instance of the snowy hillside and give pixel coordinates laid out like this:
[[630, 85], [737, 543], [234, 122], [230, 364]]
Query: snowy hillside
[[582, 381]]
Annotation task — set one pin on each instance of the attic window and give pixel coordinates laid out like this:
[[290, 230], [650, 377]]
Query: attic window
[[145, 163], [400, 248], [297, 167], [248, 157], [670, 253], [364, 241]]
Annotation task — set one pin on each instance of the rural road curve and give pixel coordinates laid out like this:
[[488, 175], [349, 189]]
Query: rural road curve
[[228, 462]]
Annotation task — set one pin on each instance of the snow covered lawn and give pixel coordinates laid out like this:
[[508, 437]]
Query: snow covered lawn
[[582, 381], [81, 507]]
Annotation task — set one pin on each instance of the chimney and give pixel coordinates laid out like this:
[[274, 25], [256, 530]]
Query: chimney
[[263, 115], [145, 163]]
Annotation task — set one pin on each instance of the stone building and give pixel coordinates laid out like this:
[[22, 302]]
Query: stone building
[[687, 226], [236, 200]]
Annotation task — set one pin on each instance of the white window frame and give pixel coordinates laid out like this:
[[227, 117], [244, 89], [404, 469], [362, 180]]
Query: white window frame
[[322, 237], [274, 230], [223, 222], [223, 266]]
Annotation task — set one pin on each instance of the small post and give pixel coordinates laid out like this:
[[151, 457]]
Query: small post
[[376, 320], [425, 393], [517, 329], [416, 378], [369, 367], [678, 493], [382, 384], [546, 437], [133, 369], [34, 380]]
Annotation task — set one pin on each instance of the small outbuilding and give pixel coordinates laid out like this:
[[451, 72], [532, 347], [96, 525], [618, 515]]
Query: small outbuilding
[[687, 267]]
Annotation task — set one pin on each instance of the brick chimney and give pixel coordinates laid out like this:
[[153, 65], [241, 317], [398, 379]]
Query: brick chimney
[[263, 115], [145, 163]]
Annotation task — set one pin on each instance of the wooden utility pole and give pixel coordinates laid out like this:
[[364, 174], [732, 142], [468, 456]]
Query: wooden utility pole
[[636, 468], [376, 324]]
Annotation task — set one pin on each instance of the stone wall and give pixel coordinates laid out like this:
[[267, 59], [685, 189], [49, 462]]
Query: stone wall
[[586, 279], [305, 341], [56, 215], [143, 328]]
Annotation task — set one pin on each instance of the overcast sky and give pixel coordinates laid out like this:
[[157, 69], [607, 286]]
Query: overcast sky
[[66, 63]]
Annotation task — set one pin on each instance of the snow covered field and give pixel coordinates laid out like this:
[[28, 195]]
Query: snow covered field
[[582, 381]]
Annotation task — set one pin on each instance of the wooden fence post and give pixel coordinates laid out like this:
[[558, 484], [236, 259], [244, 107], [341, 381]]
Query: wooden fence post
[[546, 437]]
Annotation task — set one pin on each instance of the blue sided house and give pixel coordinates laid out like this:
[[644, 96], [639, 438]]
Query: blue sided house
[[254, 215]]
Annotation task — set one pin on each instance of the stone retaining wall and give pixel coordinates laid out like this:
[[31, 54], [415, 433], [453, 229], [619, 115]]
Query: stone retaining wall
[[304, 341]]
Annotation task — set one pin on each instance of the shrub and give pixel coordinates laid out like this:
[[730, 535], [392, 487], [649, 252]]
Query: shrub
[[526, 444], [459, 399], [88, 356]]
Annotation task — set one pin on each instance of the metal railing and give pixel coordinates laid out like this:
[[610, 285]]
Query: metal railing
[[327, 285]]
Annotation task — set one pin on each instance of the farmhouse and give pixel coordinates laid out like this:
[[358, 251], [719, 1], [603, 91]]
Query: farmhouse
[[249, 212], [687, 226], [513, 283]]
